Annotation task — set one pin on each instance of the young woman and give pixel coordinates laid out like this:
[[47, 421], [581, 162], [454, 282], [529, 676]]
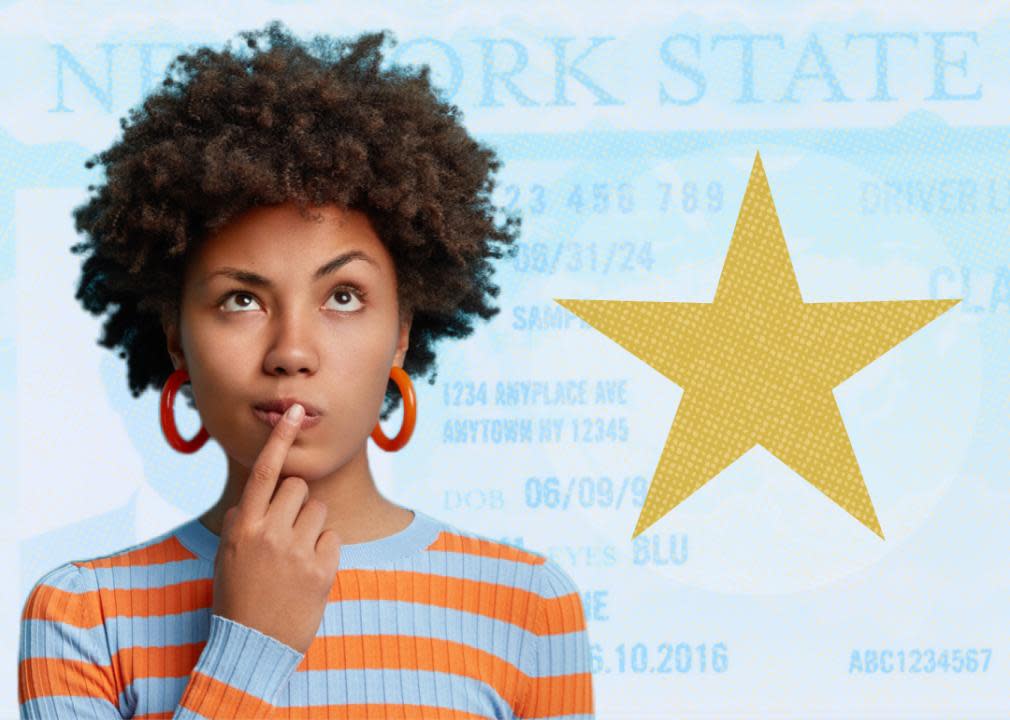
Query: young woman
[[295, 226]]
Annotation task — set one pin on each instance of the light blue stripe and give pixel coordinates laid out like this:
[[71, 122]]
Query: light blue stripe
[[347, 617], [247, 659], [147, 577], [187, 714], [466, 566], [563, 654], [421, 532], [343, 687], [454, 565], [53, 639], [67, 706]]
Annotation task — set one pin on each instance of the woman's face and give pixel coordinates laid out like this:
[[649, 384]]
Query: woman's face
[[327, 339]]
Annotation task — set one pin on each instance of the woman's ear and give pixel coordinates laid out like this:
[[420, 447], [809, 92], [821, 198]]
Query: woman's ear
[[403, 342], [171, 329]]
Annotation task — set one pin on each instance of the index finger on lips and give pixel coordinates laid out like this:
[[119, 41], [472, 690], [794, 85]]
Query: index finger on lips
[[262, 482]]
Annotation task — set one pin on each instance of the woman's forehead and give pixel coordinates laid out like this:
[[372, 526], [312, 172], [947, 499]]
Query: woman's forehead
[[266, 236]]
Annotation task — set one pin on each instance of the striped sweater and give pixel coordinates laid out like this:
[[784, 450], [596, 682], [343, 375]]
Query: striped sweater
[[430, 622]]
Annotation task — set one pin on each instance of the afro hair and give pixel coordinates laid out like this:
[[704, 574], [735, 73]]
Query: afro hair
[[311, 123]]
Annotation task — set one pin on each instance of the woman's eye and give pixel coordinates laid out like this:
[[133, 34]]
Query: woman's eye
[[346, 298], [229, 296]]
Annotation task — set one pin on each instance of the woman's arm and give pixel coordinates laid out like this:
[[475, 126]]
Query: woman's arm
[[65, 668], [560, 681]]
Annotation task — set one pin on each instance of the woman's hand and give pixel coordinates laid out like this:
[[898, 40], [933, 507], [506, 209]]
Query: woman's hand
[[274, 568]]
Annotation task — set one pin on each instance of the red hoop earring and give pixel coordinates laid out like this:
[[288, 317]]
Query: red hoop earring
[[402, 380], [172, 385]]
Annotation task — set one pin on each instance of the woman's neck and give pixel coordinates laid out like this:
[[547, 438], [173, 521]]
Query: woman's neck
[[356, 510]]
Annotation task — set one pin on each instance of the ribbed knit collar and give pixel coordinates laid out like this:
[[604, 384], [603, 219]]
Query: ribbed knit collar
[[422, 531]]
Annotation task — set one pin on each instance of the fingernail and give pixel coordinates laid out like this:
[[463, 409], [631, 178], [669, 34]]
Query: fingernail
[[295, 413]]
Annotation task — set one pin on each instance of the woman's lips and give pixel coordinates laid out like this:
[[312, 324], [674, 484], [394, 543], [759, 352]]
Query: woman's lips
[[272, 418]]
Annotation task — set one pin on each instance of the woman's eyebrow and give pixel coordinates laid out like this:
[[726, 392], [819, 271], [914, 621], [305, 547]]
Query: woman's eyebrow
[[252, 278]]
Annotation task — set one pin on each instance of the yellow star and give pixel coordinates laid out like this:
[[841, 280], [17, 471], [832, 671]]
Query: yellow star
[[757, 365]]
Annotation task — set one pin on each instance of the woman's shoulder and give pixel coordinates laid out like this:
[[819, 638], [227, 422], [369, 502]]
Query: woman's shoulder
[[545, 575], [55, 588], [453, 538], [75, 615], [119, 569]]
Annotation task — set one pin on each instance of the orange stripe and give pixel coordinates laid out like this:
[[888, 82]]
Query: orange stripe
[[406, 652], [562, 614], [374, 711], [409, 652], [355, 711], [501, 602], [453, 542], [121, 602], [205, 692], [168, 550], [559, 695], [352, 652], [493, 600], [48, 602], [45, 676], [170, 661]]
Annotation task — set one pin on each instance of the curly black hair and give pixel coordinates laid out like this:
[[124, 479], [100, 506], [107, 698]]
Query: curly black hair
[[313, 123]]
